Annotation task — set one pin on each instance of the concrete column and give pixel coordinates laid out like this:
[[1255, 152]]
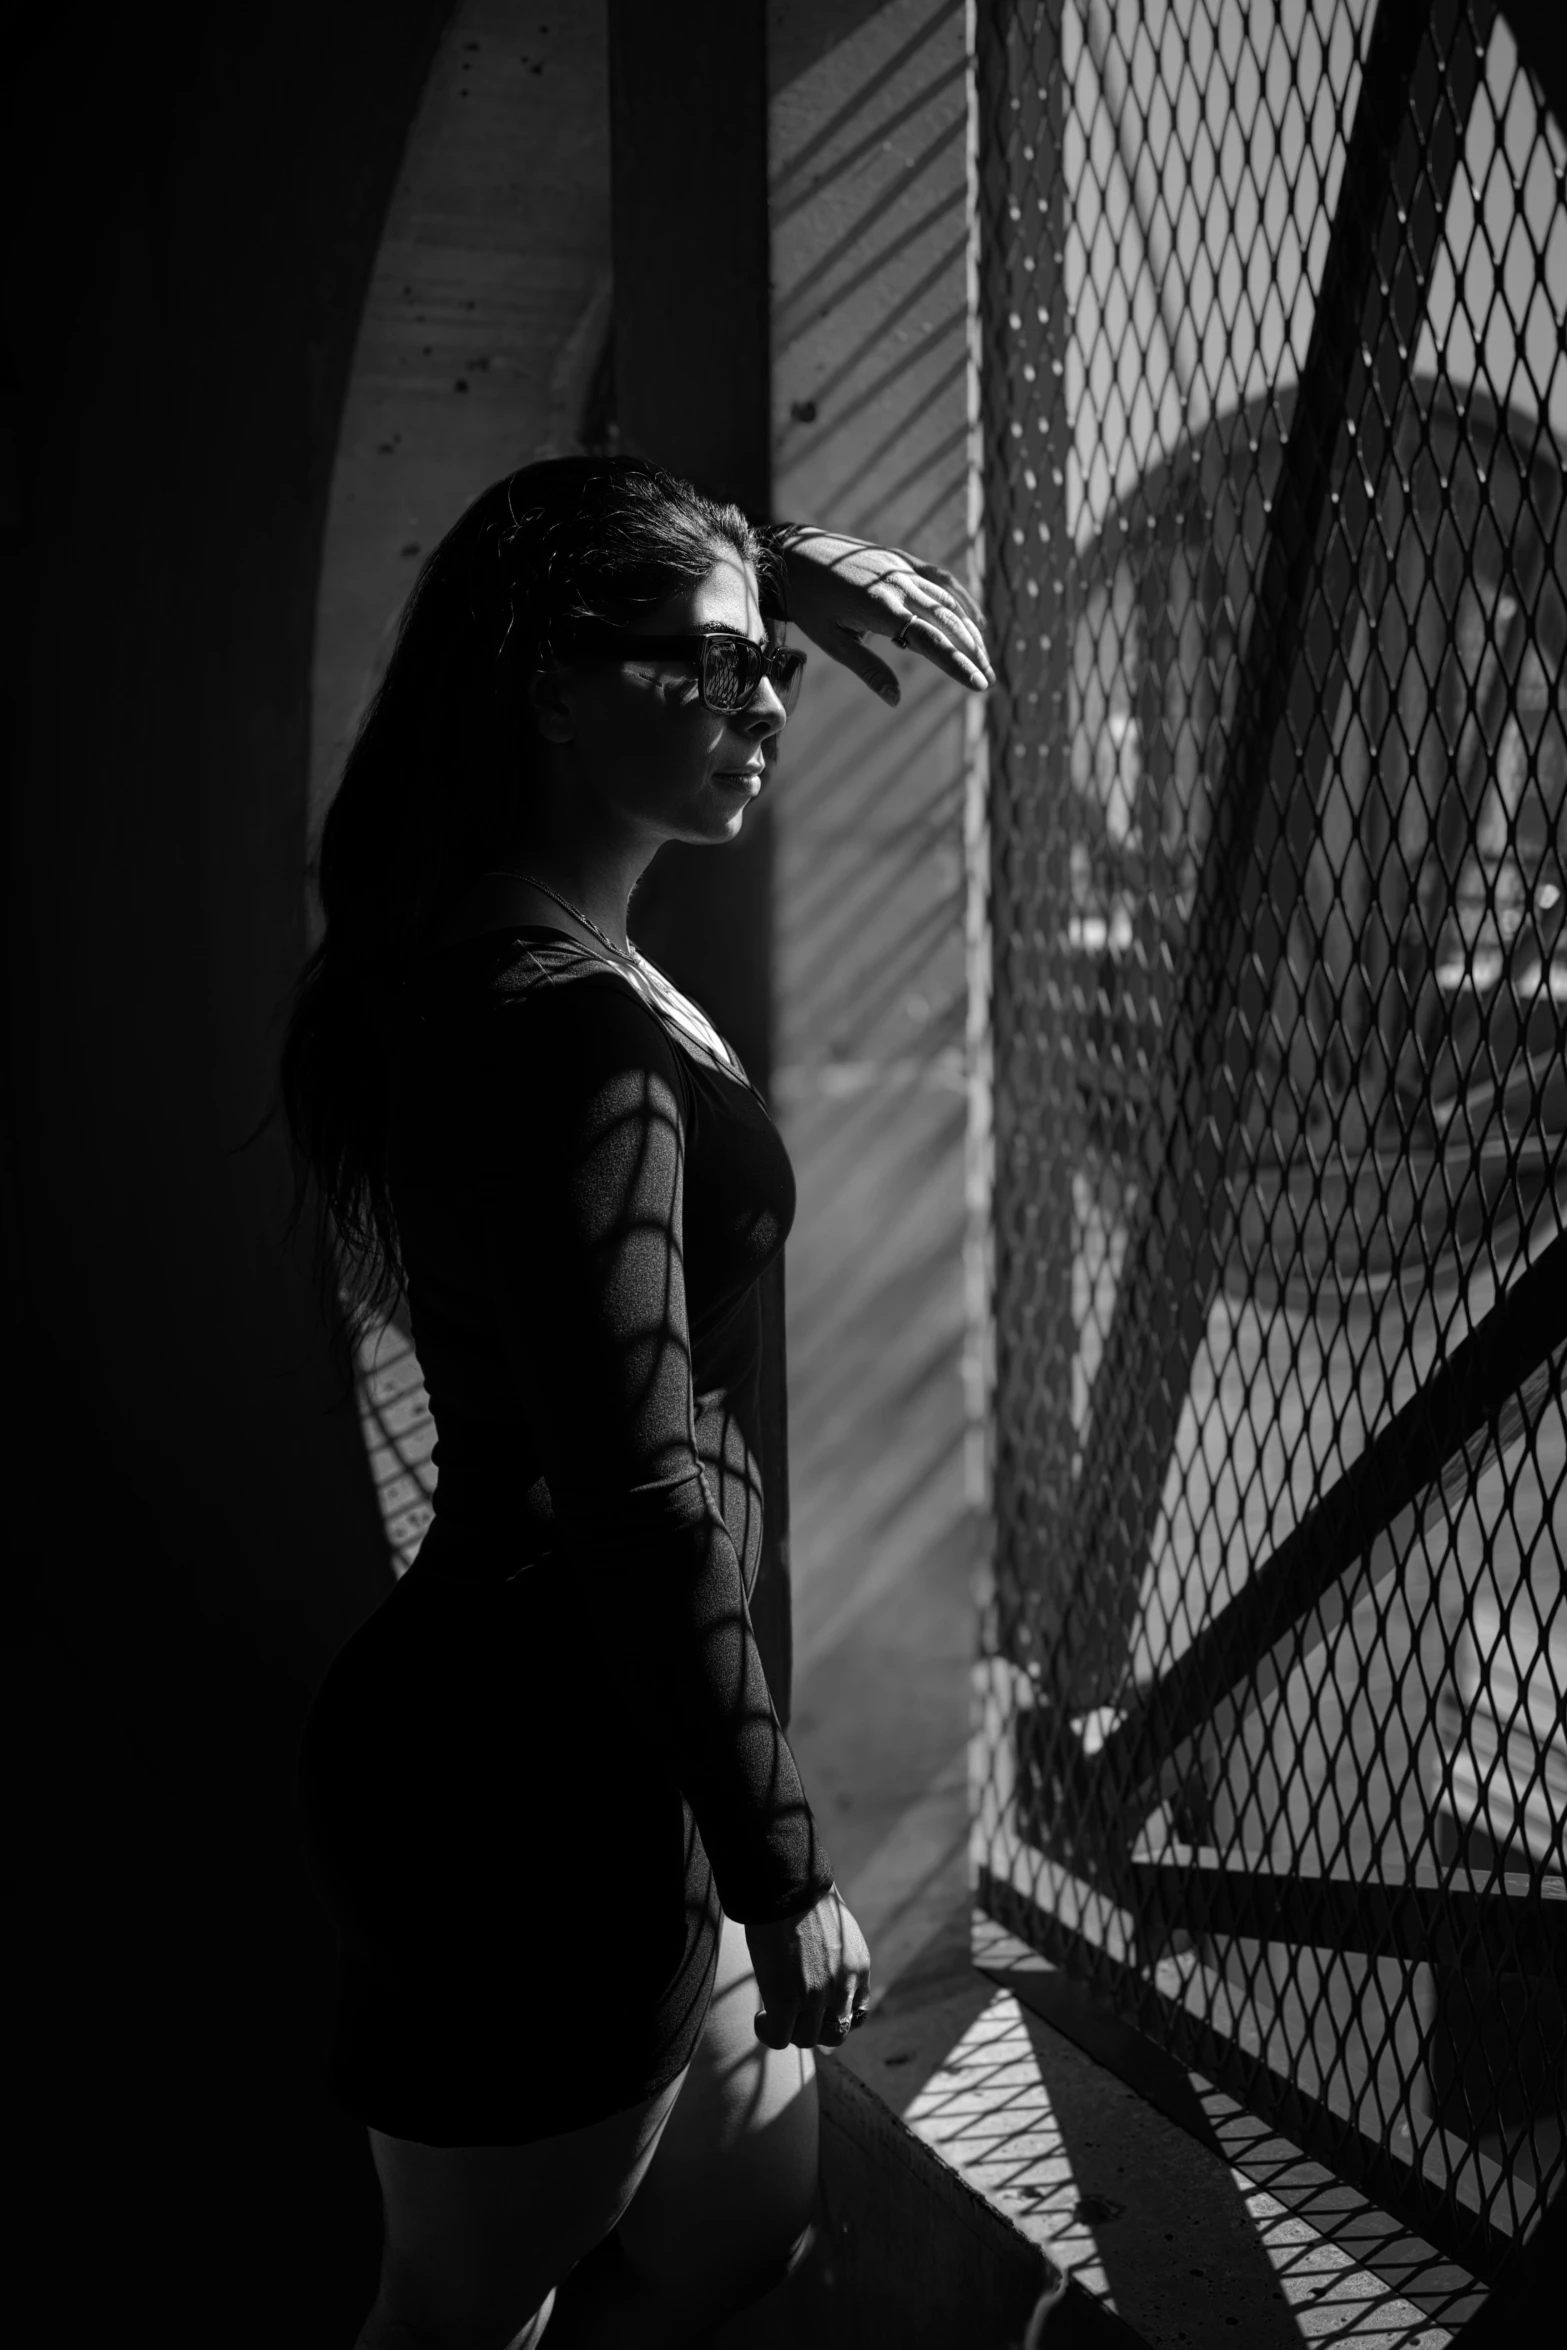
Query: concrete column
[[867, 113]]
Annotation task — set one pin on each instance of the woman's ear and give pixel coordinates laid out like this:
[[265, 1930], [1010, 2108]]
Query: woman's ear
[[548, 707]]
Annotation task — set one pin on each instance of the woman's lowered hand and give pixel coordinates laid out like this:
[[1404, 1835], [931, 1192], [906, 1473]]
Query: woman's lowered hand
[[839, 591], [813, 1973]]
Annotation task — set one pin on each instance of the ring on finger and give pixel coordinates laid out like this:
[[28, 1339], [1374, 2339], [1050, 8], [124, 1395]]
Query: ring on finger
[[902, 638], [942, 604], [953, 623]]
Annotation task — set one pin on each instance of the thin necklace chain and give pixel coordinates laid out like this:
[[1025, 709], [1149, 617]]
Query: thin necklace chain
[[621, 954]]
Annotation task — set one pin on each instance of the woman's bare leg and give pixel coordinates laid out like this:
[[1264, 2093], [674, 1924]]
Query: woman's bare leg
[[477, 2237], [724, 2209]]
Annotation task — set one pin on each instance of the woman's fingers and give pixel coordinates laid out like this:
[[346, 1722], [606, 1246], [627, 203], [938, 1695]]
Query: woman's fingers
[[813, 1973], [948, 590], [805, 2027], [921, 635], [845, 590], [845, 2011], [851, 649], [845, 2003], [947, 581], [820, 2023], [942, 608], [952, 587], [926, 619]]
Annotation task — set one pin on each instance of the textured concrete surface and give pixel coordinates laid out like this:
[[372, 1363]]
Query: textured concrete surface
[[867, 200], [909, 2250], [482, 322], [1184, 2246]]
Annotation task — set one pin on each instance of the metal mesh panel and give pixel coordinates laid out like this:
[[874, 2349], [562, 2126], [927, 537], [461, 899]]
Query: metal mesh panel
[[1272, 427]]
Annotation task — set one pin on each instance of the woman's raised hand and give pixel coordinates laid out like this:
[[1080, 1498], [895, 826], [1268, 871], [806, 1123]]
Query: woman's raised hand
[[840, 590], [813, 1973]]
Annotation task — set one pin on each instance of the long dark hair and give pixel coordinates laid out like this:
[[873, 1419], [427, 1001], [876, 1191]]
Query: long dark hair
[[431, 793]]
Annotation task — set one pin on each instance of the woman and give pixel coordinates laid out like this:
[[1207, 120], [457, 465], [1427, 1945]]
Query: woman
[[589, 1934]]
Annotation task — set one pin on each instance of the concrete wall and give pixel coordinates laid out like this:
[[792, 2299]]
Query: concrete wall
[[486, 313], [869, 412]]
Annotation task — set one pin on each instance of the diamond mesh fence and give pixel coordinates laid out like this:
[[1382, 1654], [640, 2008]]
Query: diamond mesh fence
[[1271, 426]]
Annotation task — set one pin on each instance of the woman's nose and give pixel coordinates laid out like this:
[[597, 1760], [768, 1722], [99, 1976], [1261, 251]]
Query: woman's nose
[[764, 714]]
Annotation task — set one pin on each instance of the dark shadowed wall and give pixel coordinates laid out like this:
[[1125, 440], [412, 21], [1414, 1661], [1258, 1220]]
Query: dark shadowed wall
[[192, 200], [288, 287]]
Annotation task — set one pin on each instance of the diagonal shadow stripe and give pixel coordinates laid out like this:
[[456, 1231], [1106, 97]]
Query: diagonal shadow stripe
[[840, 167], [787, 332], [866, 750], [898, 960], [872, 457], [855, 104], [878, 333], [954, 487], [852, 240]]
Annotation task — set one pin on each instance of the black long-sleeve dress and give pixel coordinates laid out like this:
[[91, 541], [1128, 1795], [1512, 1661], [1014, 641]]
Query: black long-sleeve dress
[[529, 1781]]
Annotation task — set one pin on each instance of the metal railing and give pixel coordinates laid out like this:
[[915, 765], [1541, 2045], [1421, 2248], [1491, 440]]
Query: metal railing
[[1271, 814]]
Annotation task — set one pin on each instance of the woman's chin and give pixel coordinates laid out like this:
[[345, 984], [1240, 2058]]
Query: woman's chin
[[727, 825], [719, 816]]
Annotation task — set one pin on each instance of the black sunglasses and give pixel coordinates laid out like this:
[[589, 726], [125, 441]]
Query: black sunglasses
[[729, 667]]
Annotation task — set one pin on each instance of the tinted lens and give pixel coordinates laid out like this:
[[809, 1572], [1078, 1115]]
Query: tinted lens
[[785, 669], [730, 670]]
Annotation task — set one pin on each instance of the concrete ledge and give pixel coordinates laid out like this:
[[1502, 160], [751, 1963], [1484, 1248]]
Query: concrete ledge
[[910, 2252], [974, 2155]]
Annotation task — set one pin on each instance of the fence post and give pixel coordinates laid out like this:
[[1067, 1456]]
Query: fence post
[[1021, 204]]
